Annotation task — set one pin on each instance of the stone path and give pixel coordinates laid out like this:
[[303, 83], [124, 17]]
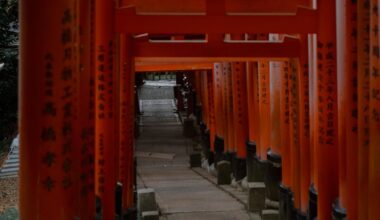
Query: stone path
[[11, 164], [180, 192]]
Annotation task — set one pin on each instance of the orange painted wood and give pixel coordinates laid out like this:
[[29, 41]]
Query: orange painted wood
[[105, 175], [240, 116], [374, 109], [303, 21], [211, 108], [233, 49], [348, 109], [197, 6], [218, 85], [294, 133], [205, 105], [158, 67], [126, 122], [285, 125], [230, 113], [86, 113], [275, 74], [251, 99], [363, 43], [304, 124], [313, 111], [264, 109], [49, 110], [228, 124], [198, 86], [327, 146]]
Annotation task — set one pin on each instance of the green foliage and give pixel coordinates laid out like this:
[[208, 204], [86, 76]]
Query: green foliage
[[9, 73]]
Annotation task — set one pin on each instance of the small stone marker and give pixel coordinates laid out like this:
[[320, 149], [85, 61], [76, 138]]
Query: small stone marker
[[146, 200], [195, 160], [224, 172], [256, 196]]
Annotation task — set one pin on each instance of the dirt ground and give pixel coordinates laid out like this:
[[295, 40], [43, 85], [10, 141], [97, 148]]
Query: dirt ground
[[8, 193]]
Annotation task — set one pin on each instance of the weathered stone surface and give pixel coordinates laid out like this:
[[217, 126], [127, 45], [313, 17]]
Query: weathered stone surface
[[270, 214], [195, 160], [150, 215], [256, 196], [188, 127], [10, 214], [146, 200], [224, 173]]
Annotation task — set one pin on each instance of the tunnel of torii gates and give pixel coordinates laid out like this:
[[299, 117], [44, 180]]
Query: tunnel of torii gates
[[296, 90]]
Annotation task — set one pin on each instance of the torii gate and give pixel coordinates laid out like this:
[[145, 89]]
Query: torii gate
[[69, 60]]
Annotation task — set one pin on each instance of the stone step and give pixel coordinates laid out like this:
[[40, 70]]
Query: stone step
[[10, 165], [12, 160], [8, 175], [9, 170], [14, 156]]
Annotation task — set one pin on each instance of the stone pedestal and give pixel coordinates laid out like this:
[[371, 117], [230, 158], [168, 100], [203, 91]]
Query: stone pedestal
[[219, 149], [273, 175], [150, 215], [259, 169], [270, 214], [195, 160], [256, 196], [146, 200], [188, 127], [224, 173], [286, 203], [251, 152]]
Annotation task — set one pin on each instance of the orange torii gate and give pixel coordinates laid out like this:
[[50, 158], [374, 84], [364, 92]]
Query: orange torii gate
[[49, 122]]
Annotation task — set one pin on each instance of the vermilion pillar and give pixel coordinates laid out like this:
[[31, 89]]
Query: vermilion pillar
[[363, 43], [374, 109], [230, 113], [251, 100], [219, 116], [126, 123], [105, 175], [295, 162], [87, 111], [304, 123], [49, 73], [275, 110], [327, 150], [285, 123], [264, 109], [211, 112], [239, 92], [348, 109]]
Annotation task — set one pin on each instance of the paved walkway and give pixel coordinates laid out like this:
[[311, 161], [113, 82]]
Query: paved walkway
[[180, 192]]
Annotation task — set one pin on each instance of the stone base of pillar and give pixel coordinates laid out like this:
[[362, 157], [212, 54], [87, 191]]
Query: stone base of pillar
[[313, 203], [195, 160], [219, 149], [259, 169], [224, 172], [300, 215], [130, 214], [270, 214], [273, 175], [286, 203], [189, 128], [251, 152], [119, 199], [339, 213], [256, 197], [239, 168]]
